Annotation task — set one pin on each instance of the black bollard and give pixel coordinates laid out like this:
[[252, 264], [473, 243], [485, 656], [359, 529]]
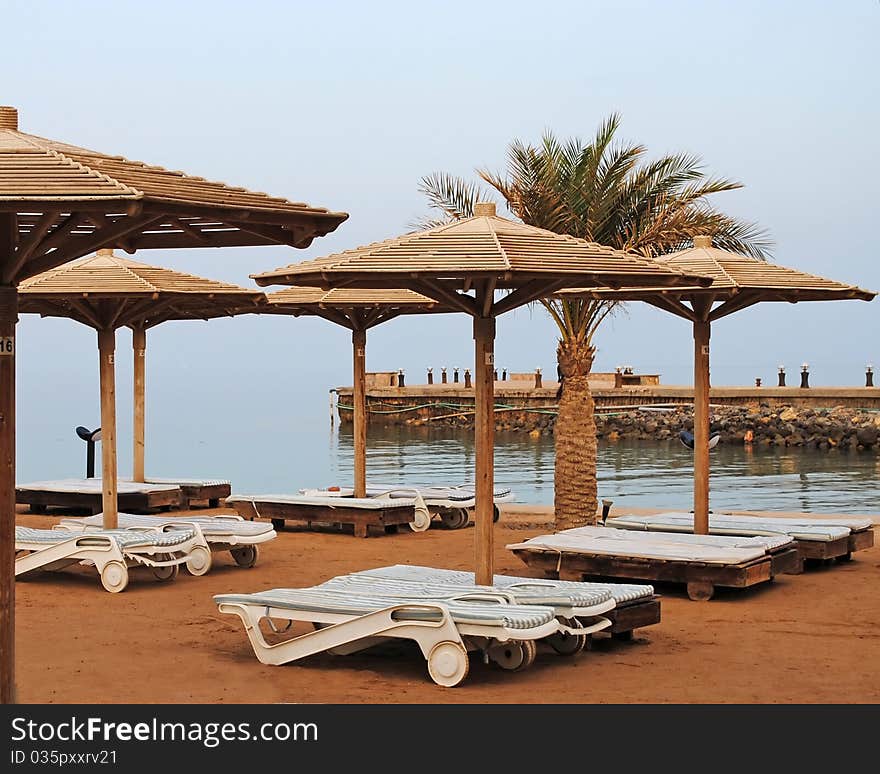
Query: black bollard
[[869, 376], [782, 376], [467, 378], [443, 378], [401, 379], [495, 375], [91, 437], [455, 375], [430, 376], [537, 378], [504, 375], [805, 375], [757, 381]]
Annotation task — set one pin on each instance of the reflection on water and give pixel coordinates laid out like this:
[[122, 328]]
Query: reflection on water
[[631, 473]]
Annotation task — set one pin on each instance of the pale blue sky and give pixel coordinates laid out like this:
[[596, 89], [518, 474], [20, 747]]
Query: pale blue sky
[[347, 105]]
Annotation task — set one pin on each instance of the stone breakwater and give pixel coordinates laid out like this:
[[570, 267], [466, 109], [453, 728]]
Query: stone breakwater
[[833, 428]]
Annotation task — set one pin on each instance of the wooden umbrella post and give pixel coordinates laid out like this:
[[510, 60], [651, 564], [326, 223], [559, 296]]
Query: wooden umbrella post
[[701, 427], [139, 346], [8, 317], [359, 347], [106, 347], [484, 430]]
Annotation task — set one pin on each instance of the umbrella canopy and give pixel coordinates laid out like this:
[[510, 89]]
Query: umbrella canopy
[[738, 282], [357, 310], [107, 292], [461, 265], [59, 202]]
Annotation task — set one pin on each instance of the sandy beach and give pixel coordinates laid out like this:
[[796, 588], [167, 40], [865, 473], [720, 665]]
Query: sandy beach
[[806, 638]]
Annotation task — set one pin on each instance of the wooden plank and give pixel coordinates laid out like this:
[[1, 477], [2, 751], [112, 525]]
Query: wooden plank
[[210, 493], [634, 615], [824, 549], [701, 428], [359, 365], [139, 351], [109, 504], [789, 561], [577, 565], [859, 541], [484, 432], [8, 317]]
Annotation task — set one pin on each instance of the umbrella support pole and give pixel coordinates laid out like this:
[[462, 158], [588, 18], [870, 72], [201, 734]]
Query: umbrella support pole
[[106, 349], [701, 427], [359, 351], [484, 428], [8, 318], [139, 347]]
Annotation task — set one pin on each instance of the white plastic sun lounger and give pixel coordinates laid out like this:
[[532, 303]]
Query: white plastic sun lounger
[[581, 609], [362, 512], [222, 533], [112, 552], [450, 503], [445, 629], [635, 603]]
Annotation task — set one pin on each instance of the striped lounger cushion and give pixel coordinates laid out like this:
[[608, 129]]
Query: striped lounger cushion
[[439, 590], [211, 526], [619, 592], [125, 538]]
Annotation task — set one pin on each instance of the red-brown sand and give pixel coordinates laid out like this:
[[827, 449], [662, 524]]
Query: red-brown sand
[[808, 638]]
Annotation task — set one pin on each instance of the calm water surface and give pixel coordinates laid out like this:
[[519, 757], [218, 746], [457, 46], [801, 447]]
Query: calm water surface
[[631, 473], [281, 455]]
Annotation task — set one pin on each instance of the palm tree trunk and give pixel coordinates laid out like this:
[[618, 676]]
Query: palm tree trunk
[[576, 487]]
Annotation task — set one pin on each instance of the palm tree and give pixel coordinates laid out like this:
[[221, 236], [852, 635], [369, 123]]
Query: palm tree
[[604, 191]]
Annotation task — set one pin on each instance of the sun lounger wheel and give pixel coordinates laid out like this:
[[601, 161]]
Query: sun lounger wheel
[[515, 655], [421, 520], [700, 591], [496, 513], [166, 573], [455, 518], [114, 577], [448, 663], [245, 556], [199, 561], [568, 644]]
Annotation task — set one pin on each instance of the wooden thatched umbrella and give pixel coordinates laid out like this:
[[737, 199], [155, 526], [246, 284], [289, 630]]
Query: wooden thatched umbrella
[[59, 202], [357, 310], [462, 265], [106, 293], [738, 282]]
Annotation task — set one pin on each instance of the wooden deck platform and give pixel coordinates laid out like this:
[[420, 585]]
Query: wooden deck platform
[[382, 520], [701, 577], [628, 616], [41, 500]]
